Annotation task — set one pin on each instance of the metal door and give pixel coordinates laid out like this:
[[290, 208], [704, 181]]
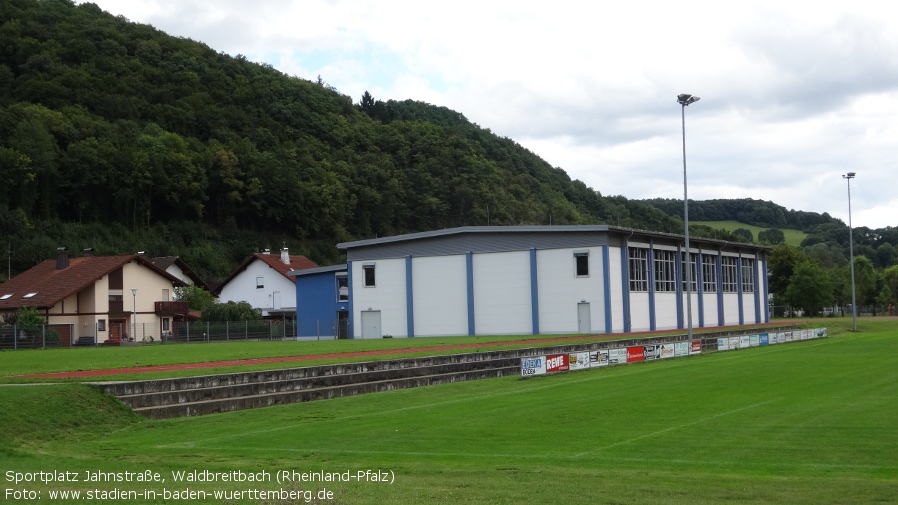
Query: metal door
[[371, 324], [584, 324]]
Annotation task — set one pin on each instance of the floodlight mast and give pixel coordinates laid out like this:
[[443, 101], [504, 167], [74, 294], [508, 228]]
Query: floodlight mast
[[685, 99], [848, 177]]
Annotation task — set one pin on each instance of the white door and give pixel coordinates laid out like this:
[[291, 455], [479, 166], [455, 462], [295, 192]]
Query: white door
[[276, 300], [371, 324], [584, 324]]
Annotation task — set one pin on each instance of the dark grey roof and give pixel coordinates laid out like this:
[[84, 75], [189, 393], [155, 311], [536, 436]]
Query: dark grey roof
[[472, 229], [318, 270]]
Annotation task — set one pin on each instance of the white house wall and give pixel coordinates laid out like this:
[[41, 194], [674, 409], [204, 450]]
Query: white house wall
[[502, 293], [615, 282], [560, 290], [439, 284], [666, 309], [242, 288], [639, 311], [388, 296]]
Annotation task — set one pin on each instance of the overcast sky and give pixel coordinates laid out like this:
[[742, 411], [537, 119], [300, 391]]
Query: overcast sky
[[794, 94]]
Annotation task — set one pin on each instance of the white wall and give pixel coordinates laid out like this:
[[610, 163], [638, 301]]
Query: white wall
[[666, 310], [388, 296], [440, 287], [711, 312], [243, 287], [502, 293], [616, 287], [560, 290], [639, 311]]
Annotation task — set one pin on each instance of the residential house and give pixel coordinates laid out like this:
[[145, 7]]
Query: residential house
[[110, 299], [264, 282]]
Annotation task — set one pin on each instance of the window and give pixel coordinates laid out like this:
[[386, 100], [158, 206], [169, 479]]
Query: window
[[581, 261], [260, 282], [6, 296], [101, 325], [709, 274], [166, 324], [30, 295], [748, 275], [693, 272], [639, 271], [342, 288], [665, 274], [165, 295], [728, 282], [369, 276]]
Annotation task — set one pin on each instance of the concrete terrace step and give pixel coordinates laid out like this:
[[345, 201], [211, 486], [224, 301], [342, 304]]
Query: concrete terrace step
[[324, 393], [207, 394]]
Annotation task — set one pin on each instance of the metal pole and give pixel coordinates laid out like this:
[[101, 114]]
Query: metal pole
[[848, 177], [686, 220]]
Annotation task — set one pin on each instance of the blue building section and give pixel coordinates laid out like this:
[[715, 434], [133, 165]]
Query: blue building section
[[322, 303]]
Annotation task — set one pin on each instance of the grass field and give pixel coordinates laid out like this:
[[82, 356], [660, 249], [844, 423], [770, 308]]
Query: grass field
[[809, 422], [793, 237]]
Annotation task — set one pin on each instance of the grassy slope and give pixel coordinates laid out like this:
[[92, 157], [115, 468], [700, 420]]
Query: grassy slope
[[801, 423], [793, 237]]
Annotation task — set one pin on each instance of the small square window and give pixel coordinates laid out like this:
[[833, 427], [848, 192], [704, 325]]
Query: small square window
[[260, 282], [369, 276], [582, 263]]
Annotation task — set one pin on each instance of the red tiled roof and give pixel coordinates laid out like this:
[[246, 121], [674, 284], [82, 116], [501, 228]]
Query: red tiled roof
[[51, 286], [273, 260]]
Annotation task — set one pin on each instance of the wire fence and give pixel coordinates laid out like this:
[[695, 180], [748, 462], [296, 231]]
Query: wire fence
[[13, 337]]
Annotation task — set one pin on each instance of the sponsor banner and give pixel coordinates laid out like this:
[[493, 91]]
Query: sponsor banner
[[781, 338], [723, 344], [744, 342], [651, 352], [635, 354], [578, 360], [754, 340], [557, 363], [822, 332], [599, 358], [734, 343], [763, 339], [617, 356], [533, 366], [681, 349], [668, 351], [695, 347]]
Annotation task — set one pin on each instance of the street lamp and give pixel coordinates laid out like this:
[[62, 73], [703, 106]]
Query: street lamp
[[848, 177], [134, 314], [685, 99]]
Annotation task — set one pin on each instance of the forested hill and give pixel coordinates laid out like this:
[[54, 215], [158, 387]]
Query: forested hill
[[116, 136]]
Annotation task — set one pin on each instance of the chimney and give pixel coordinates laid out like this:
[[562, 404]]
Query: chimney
[[88, 252], [62, 258], [285, 256], [266, 251]]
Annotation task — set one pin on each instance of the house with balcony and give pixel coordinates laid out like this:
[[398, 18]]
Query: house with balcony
[[106, 299], [264, 281]]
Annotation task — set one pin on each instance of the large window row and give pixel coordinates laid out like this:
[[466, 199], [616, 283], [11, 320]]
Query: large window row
[[664, 263]]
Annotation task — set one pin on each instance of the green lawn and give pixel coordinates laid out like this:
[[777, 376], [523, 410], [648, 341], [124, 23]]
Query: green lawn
[[793, 237], [802, 423]]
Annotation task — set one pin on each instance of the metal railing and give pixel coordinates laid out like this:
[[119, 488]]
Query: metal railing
[[14, 337]]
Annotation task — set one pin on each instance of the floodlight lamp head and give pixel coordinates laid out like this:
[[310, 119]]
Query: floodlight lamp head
[[685, 99], [849, 175]]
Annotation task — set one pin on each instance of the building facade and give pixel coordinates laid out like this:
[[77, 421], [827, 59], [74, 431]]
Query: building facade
[[548, 280]]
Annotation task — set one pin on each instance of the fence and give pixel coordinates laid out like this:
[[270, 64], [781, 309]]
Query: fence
[[15, 337]]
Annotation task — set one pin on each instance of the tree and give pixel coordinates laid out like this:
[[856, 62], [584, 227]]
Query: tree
[[864, 280], [772, 236], [744, 235], [890, 280], [781, 264], [196, 297], [809, 287], [230, 311]]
